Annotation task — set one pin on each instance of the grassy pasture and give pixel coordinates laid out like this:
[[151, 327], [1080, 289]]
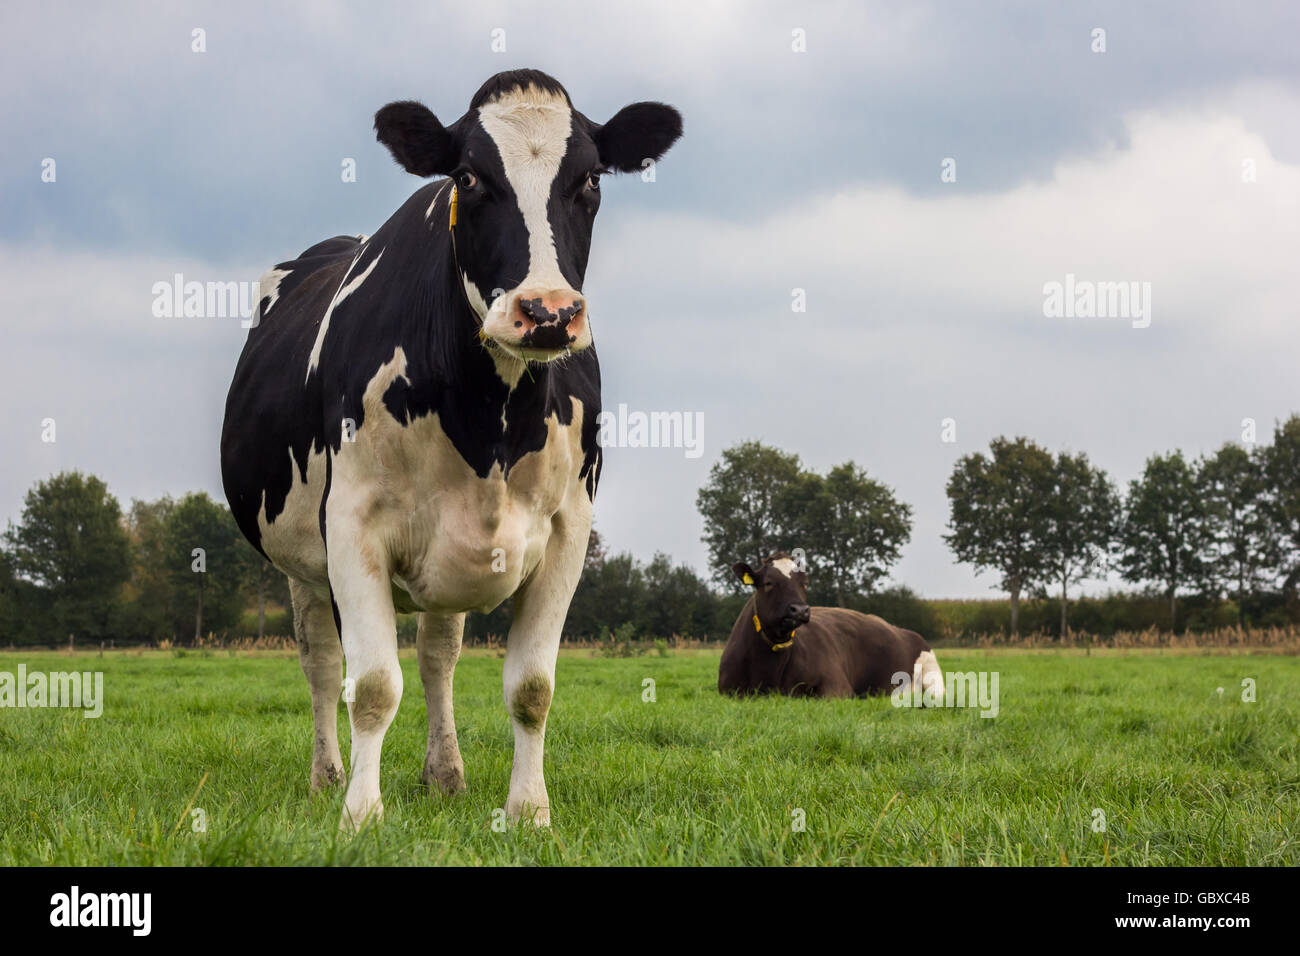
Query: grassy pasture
[[1183, 774]]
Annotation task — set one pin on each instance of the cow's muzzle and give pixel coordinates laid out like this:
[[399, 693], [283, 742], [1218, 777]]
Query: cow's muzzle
[[795, 616], [541, 324]]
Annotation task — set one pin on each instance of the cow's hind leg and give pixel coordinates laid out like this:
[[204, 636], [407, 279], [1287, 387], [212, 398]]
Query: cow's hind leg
[[438, 640], [321, 657]]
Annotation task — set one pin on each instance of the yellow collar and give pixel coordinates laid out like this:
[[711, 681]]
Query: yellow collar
[[775, 648]]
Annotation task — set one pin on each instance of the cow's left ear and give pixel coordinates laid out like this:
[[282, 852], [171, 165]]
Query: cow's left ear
[[745, 573], [636, 133], [420, 144]]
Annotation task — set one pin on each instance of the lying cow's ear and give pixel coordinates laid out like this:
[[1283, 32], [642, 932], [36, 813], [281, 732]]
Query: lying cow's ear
[[745, 573], [420, 144], [636, 133]]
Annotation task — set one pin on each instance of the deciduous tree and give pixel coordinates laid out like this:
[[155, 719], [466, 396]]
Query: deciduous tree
[[851, 528], [740, 506], [71, 544], [1282, 503], [1164, 530], [1082, 521], [202, 555], [1240, 550], [1000, 514]]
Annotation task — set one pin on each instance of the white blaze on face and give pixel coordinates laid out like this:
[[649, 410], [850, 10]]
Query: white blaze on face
[[531, 130], [786, 566]]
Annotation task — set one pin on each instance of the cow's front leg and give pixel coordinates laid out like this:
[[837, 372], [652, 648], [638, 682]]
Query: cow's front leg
[[360, 580], [534, 642], [438, 639]]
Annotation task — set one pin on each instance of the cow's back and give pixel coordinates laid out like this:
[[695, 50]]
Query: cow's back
[[273, 437], [869, 648]]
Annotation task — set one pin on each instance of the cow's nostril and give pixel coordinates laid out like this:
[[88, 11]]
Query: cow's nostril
[[535, 310], [568, 313]]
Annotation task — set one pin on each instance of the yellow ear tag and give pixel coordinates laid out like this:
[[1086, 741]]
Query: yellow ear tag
[[757, 626], [747, 579], [451, 221]]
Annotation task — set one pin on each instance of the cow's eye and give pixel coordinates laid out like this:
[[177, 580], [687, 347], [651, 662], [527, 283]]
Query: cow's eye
[[767, 585], [467, 180], [593, 182]]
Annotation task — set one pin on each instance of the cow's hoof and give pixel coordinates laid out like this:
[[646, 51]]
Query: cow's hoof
[[354, 819], [448, 780], [328, 777], [526, 813]]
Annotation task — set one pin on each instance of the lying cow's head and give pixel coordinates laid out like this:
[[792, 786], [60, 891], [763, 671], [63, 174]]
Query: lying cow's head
[[780, 594], [526, 167]]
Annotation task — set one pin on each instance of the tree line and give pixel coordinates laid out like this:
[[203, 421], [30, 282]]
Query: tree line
[[77, 566], [1224, 527]]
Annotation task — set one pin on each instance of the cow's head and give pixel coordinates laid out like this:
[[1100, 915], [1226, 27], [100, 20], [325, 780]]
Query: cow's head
[[526, 169], [780, 594]]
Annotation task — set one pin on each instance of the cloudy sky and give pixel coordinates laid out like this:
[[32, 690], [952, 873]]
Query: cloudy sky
[[1171, 158]]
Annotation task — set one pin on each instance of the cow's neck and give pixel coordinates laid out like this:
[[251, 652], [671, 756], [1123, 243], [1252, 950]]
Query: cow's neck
[[493, 406], [486, 367], [771, 650]]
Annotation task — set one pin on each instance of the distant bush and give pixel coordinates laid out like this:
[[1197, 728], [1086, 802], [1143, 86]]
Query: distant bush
[[278, 621], [902, 607], [1104, 615]]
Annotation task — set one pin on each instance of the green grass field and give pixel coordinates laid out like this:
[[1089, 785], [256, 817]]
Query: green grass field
[[1183, 774]]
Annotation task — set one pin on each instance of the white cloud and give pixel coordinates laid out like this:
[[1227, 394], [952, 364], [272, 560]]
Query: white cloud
[[136, 399]]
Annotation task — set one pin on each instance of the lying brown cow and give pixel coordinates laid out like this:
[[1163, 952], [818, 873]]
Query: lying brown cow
[[781, 645]]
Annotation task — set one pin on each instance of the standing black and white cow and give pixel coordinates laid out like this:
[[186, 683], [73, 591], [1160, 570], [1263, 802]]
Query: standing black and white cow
[[412, 423]]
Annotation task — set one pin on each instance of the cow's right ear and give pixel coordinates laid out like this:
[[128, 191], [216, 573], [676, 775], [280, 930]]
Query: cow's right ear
[[745, 573], [420, 144]]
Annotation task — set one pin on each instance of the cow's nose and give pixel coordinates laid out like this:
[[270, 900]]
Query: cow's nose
[[548, 309], [548, 319], [800, 613]]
